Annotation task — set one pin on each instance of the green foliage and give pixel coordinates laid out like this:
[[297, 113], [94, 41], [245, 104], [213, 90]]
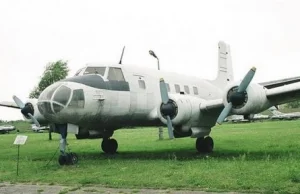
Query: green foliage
[[294, 104], [54, 72], [258, 157]]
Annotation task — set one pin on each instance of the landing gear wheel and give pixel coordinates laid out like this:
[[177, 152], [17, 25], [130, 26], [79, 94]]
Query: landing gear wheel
[[68, 159], [205, 145], [74, 158], [109, 146], [63, 160]]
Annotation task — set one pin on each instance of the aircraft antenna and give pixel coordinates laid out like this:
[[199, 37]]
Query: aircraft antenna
[[122, 55]]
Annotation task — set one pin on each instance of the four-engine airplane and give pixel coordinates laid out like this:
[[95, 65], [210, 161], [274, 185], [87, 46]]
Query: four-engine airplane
[[102, 98]]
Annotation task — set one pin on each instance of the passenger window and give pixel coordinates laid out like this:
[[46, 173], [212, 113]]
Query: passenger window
[[115, 74], [168, 87], [195, 90], [142, 84], [187, 89], [177, 88], [95, 70]]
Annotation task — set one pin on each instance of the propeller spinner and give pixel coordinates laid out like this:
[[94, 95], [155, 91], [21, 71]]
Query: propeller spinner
[[239, 96], [26, 110]]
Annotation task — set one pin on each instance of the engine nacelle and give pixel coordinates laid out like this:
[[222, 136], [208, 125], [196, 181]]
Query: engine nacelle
[[254, 99], [36, 113], [185, 108]]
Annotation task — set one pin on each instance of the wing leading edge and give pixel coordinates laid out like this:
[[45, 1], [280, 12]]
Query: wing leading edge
[[9, 104]]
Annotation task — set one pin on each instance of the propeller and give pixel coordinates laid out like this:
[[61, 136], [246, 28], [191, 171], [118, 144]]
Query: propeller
[[26, 110], [167, 107], [237, 97]]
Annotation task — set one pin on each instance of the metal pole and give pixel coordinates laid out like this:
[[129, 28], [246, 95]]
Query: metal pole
[[160, 133], [158, 67], [18, 160]]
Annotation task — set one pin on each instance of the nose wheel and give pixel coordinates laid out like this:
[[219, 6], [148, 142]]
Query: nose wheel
[[205, 145], [68, 159], [109, 146], [65, 158]]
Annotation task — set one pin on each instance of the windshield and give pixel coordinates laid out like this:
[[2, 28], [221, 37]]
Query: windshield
[[94, 70]]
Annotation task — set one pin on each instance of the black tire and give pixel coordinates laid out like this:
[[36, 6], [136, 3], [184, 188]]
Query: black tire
[[63, 160], [105, 145], [73, 157], [208, 144], [200, 144], [205, 145], [113, 146]]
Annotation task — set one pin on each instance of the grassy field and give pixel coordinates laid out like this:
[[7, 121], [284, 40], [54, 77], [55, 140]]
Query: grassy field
[[250, 157]]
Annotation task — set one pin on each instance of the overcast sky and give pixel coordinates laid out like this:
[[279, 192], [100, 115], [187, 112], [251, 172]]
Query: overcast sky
[[183, 34]]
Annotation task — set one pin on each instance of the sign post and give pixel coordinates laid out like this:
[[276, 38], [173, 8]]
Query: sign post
[[20, 140]]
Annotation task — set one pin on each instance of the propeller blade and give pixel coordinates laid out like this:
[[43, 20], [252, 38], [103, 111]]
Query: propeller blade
[[247, 79], [163, 91], [170, 128], [224, 113], [18, 102], [34, 120]]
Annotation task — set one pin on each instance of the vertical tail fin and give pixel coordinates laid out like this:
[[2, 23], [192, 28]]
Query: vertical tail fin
[[225, 72]]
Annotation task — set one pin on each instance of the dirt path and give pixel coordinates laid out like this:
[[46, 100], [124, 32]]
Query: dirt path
[[7, 188]]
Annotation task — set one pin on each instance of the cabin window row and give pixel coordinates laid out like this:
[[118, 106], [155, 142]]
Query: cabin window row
[[142, 85], [185, 87]]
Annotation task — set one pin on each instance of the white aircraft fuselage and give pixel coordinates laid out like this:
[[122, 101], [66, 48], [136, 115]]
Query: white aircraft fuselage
[[109, 104]]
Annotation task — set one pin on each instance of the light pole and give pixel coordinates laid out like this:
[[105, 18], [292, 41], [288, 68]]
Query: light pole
[[160, 129], [154, 55]]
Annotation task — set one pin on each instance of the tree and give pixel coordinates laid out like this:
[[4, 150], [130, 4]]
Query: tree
[[294, 104], [54, 72]]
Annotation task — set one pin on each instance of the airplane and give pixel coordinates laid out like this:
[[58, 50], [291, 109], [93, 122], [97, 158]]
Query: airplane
[[6, 128], [251, 117], [284, 116], [102, 98]]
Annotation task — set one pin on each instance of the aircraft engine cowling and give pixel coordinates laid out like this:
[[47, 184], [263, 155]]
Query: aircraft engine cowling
[[31, 107], [180, 108], [253, 100]]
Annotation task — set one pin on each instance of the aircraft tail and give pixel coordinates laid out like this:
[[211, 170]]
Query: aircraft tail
[[225, 71]]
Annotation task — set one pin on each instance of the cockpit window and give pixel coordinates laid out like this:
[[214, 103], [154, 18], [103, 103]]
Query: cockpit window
[[94, 70], [78, 72], [115, 74], [47, 94], [77, 100], [62, 95]]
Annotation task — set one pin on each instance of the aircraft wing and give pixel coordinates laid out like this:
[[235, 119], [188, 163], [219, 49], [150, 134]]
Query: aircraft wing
[[281, 82], [9, 104], [284, 93], [277, 92], [212, 105]]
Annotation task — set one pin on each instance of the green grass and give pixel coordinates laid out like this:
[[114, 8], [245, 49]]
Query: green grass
[[250, 157]]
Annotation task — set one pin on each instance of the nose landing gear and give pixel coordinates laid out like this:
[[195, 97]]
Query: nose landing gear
[[68, 159], [65, 158]]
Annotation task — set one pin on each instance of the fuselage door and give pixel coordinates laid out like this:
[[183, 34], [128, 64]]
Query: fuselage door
[[138, 96]]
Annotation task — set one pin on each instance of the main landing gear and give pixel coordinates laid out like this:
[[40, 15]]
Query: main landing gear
[[65, 158], [204, 145], [109, 146]]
